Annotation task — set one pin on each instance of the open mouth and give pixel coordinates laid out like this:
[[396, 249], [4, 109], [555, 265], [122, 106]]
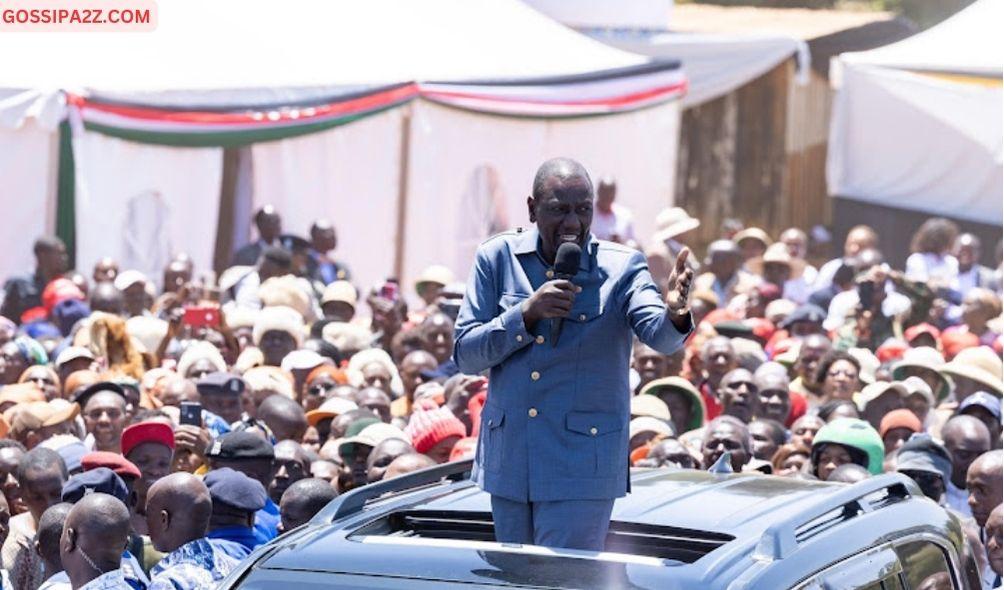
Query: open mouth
[[568, 238]]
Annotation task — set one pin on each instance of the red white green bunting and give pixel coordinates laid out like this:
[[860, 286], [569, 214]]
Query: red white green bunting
[[573, 97], [212, 128], [594, 94]]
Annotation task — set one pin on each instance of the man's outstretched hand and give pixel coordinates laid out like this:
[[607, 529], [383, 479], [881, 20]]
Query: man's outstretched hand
[[678, 294]]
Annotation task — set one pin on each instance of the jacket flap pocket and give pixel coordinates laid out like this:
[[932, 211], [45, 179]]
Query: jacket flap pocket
[[492, 416], [587, 307], [593, 423]]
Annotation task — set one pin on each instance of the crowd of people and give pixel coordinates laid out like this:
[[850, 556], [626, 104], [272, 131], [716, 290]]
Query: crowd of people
[[155, 430]]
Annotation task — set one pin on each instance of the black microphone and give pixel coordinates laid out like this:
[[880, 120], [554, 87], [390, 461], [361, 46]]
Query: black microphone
[[566, 264]]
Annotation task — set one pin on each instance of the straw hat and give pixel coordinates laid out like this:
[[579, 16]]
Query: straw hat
[[979, 364], [342, 291], [873, 390], [649, 405], [332, 407], [753, 233], [927, 359], [869, 364], [776, 254], [436, 274], [673, 221], [285, 291]]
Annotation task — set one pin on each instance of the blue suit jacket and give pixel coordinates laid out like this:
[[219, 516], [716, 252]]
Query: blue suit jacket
[[555, 423]]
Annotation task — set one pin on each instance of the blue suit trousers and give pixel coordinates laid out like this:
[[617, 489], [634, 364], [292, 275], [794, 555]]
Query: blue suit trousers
[[568, 524]]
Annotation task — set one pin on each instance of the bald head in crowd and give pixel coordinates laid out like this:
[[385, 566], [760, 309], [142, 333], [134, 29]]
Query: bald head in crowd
[[94, 537], [406, 464], [178, 508], [985, 485], [966, 438], [107, 298], [304, 499], [179, 389], [284, 417]]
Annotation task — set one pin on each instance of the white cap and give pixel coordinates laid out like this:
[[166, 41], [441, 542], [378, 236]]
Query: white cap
[[128, 278], [303, 359], [648, 424], [71, 353]]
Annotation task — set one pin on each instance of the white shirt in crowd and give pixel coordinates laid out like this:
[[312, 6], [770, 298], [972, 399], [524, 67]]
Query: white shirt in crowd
[[799, 289], [824, 278], [924, 266], [958, 500], [618, 222], [843, 305]]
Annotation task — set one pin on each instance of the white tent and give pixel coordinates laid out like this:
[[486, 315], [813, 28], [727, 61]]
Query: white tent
[[151, 112], [717, 63], [917, 124]]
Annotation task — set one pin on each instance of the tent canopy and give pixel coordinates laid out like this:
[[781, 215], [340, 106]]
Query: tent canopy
[[968, 43], [286, 80], [228, 52], [916, 124]]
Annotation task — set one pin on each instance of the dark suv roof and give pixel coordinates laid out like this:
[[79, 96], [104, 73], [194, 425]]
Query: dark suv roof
[[676, 529]]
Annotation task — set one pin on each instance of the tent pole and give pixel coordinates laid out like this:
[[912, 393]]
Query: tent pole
[[66, 193], [402, 191]]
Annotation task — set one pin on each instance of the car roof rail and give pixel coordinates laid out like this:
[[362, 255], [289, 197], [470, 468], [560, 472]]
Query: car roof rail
[[354, 501], [781, 538]]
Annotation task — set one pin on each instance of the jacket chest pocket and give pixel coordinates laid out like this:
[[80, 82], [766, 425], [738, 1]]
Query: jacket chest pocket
[[587, 307], [491, 443], [596, 447]]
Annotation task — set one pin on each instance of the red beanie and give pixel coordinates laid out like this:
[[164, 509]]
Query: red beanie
[[430, 427]]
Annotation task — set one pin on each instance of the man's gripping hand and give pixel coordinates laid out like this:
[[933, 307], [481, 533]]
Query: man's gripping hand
[[553, 299]]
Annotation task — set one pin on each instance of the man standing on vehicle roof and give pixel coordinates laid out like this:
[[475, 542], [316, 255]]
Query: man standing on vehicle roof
[[553, 443]]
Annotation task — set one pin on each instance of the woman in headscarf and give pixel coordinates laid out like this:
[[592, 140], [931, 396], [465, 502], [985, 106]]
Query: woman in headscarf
[[17, 355]]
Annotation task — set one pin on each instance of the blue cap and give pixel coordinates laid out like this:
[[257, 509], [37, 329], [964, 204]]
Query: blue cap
[[807, 312], [72, 454], [68, 312], [923, 453], [232, 489], [220, 383], [987, 401], [100, 479]]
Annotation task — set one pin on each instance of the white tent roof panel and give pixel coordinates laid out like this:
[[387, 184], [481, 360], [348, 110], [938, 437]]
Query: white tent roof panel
[[304, 44], [970, 42]]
